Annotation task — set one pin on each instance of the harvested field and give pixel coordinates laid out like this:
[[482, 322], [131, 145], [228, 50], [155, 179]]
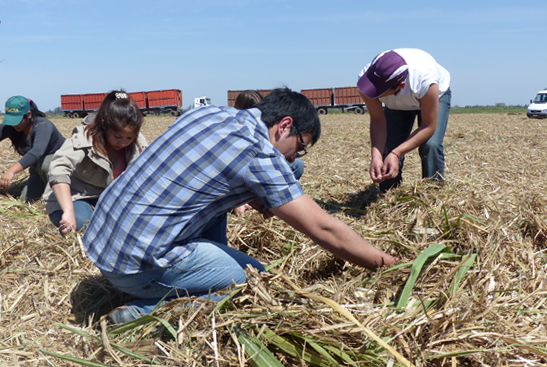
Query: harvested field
[[470, 289]]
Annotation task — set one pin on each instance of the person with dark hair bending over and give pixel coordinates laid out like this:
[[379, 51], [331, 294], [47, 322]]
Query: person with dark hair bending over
[[35, 138], [91, 159], [159, 230], [248, 99]]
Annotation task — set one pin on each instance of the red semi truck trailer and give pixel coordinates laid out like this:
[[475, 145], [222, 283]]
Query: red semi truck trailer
[[344, 98], [157, 101]]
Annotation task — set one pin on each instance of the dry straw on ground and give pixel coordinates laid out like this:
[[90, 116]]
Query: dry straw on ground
[[469, 290]]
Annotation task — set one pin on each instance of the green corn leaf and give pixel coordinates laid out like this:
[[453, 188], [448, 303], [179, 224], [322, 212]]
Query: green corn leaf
[[294, 349], [259, 354], [33, 212], [223, 303], [118, 329], [467, 263], [431, 252], [340, 353], [323, 352], [83, 362], [168, 326]]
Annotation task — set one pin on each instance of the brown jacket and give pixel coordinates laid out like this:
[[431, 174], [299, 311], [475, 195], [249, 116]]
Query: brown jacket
[[78, 164]]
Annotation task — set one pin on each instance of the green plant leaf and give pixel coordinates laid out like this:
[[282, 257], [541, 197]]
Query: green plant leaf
[[118, 329], [343, 355], [467, 263], [33, 212], [83, 362], [295, 349], [259, 354], [223, 303], [432, 251]]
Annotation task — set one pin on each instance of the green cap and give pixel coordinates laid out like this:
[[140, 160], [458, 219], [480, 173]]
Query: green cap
[[16, 108]]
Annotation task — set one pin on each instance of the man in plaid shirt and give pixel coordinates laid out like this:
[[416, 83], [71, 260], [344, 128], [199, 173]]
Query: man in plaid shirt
[[160, 228]]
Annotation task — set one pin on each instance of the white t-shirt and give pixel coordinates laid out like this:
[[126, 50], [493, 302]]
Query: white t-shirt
[[423, 71]]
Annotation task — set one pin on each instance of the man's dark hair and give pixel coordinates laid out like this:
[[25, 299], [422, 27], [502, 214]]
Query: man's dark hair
[[284, 102]]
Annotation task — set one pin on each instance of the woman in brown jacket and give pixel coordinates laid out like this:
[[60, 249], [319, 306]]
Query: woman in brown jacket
[[91, 159]]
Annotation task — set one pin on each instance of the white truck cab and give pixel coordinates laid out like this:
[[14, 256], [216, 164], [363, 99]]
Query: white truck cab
[[538, 106], [202, 101]]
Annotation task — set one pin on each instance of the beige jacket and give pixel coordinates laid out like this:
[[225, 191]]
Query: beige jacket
[[78, 164]]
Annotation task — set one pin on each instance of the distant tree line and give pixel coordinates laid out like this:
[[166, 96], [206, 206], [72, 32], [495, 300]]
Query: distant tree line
[[57, 111]]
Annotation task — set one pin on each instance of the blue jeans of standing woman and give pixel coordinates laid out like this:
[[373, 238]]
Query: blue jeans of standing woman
[[211, 266], [399, 128]]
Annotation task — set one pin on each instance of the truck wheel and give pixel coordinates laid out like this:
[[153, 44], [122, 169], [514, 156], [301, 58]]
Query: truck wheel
[[359, 111], [75, 115], [172, 113], [322, 111]]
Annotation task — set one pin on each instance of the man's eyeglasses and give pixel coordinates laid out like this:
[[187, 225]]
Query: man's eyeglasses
[[304, 146]]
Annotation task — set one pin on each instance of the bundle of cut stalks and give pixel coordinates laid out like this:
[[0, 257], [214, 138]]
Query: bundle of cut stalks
[[469, 289]]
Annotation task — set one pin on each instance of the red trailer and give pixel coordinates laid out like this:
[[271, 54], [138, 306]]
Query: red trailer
[[347, 96], [92, 101], [321, 98], [139, 98], [324, 99], [344, 98], [165, 101], [72, 104], [158, 101]]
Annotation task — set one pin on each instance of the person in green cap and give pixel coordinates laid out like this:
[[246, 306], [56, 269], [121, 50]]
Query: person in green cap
[[35, 138]]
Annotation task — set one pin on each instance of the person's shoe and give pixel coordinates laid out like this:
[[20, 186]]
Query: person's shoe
[[123, 314]]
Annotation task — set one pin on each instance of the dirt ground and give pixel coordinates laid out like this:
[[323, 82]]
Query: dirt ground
[[493, 205]]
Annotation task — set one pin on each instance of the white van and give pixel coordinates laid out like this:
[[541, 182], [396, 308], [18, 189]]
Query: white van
[[538, 106]]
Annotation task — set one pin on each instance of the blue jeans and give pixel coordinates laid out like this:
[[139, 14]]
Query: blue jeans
[[83, 210], [399, 128], [297, 168], [211, 266]]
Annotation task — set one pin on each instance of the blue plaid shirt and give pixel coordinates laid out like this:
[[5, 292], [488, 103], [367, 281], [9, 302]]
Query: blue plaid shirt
[[209, 161]]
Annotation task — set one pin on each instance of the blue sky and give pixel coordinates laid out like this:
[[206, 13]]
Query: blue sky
[[494, 50]]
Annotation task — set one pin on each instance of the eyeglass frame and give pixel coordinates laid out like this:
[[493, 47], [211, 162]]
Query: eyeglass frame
[[304, 145]]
